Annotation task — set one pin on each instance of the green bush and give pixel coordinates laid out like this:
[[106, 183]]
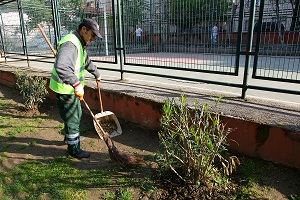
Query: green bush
[[33, 89], [194, 143]]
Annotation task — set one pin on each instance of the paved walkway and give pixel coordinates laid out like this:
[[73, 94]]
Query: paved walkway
[[281, 98]]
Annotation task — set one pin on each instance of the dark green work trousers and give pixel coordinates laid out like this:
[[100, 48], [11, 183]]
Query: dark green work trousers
[[70, 111]]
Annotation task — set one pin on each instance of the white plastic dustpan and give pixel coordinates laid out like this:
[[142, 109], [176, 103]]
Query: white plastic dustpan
[[107, 119], [109, 122]]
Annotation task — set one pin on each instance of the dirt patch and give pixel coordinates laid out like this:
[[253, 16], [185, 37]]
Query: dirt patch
[[276, 182]]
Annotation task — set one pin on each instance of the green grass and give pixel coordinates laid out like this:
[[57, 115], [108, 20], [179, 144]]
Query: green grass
[[39, 120], [11, 126], [108, 196], [32, 143], [61, 179], [92, 143], [4, 104], [124, 194], [53, 179], [251, 174], [4, 147], [3, 157], [294, 197], [60, 128], [58, 179], [147, 184], [21, 147], [20, 129]]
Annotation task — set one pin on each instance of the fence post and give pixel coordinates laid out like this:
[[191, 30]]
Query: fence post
[[248, 48], [56, 21], [2, 35], [120, 34], [23, 30]]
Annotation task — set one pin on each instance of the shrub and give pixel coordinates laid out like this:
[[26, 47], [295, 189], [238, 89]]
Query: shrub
[[33, 89], [193, 142]]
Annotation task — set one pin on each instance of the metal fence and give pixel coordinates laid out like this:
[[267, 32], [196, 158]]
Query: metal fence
[[179, 39]]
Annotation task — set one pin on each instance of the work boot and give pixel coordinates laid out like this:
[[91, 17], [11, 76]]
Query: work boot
[[76, 152], [81, 154], [74, 147]]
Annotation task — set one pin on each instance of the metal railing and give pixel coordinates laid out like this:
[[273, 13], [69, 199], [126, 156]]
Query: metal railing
[[251, 43]]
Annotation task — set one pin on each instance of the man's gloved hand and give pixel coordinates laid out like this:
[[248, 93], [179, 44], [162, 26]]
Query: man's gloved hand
[[98, 79], [78, 90]]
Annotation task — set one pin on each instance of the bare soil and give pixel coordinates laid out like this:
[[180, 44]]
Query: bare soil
[[278, 183]]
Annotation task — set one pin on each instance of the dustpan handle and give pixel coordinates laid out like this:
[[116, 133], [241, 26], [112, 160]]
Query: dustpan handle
[[100, 99], [95, 119]]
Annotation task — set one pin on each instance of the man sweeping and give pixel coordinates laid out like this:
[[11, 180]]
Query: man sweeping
[[67, 80]]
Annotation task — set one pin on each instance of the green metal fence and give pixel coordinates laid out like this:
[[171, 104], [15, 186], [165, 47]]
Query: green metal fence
[[243, 39]]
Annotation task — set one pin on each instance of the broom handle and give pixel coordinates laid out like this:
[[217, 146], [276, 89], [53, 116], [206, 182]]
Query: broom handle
[[47, 40], [95, 119], [100, 99]]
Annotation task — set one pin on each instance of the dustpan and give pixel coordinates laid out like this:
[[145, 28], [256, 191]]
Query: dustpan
[[107, 119]]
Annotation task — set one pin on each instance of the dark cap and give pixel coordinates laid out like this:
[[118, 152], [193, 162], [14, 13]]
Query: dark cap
[[91, 24]]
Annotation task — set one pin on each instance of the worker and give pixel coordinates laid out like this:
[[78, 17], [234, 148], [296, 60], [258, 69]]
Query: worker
[[67, 80]]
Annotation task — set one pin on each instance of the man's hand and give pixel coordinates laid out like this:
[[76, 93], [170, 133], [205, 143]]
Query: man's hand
[[98, 79], [78, 90]]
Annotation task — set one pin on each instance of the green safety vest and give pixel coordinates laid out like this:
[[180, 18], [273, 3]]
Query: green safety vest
[[56, 83]]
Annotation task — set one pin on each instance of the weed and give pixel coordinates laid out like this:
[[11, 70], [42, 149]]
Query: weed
[[10, 138], [108, 196], [127, 181], [39, 120], [21, 147], [92, 143], [33, 89], [246, 193], [4, 147], [149, 157], [294, 197], [60, 128], [124, 194], [3, 104], [147, 185], [193, 139], [20, 129], [32, 144]]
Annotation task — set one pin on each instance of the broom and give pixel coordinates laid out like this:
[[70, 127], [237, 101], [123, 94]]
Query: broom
[[114, 153]]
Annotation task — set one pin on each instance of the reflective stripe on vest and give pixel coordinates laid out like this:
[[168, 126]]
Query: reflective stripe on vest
[[56, 84]]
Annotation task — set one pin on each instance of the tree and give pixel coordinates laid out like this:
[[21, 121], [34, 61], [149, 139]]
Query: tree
[[296, 15], [186, 13], [134, 11], [40, 11]]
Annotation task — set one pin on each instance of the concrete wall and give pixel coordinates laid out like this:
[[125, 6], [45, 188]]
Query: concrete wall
[[253, 139]]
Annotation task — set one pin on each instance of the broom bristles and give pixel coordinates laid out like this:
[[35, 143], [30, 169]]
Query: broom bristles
[[116, 155]]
